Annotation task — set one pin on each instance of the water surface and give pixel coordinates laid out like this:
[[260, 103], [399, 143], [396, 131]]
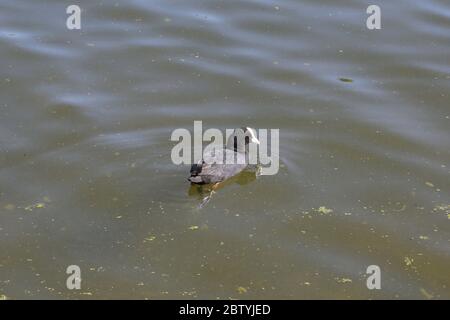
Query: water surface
[[85, 171]]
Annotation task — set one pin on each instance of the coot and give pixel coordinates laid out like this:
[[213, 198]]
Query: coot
[[213, 168]]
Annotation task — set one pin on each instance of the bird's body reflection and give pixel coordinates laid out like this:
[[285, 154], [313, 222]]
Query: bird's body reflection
[[206, 191]]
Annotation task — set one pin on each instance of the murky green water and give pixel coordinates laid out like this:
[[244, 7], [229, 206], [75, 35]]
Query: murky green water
[[86, 177]]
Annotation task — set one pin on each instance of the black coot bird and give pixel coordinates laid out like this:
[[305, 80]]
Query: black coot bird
[[213, 168]]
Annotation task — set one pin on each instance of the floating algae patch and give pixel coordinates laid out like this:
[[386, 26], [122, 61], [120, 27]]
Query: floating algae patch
[[347, 80], [408, 261], [426, 294], [444, 209], [149, 238], [241, 290], [202, 227], [39, 205], [324, 210], [343, 280]]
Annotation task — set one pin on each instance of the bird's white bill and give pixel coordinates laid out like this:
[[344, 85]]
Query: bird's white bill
[[253, 135], [254, 140]]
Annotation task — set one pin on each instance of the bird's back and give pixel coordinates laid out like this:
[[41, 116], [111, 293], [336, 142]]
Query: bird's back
[[209, 171]]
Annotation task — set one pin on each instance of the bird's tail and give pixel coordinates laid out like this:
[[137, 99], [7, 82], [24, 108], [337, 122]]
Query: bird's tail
[[195, 179]]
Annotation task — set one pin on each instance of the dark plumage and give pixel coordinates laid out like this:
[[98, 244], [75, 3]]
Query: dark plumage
[[206, 171]]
